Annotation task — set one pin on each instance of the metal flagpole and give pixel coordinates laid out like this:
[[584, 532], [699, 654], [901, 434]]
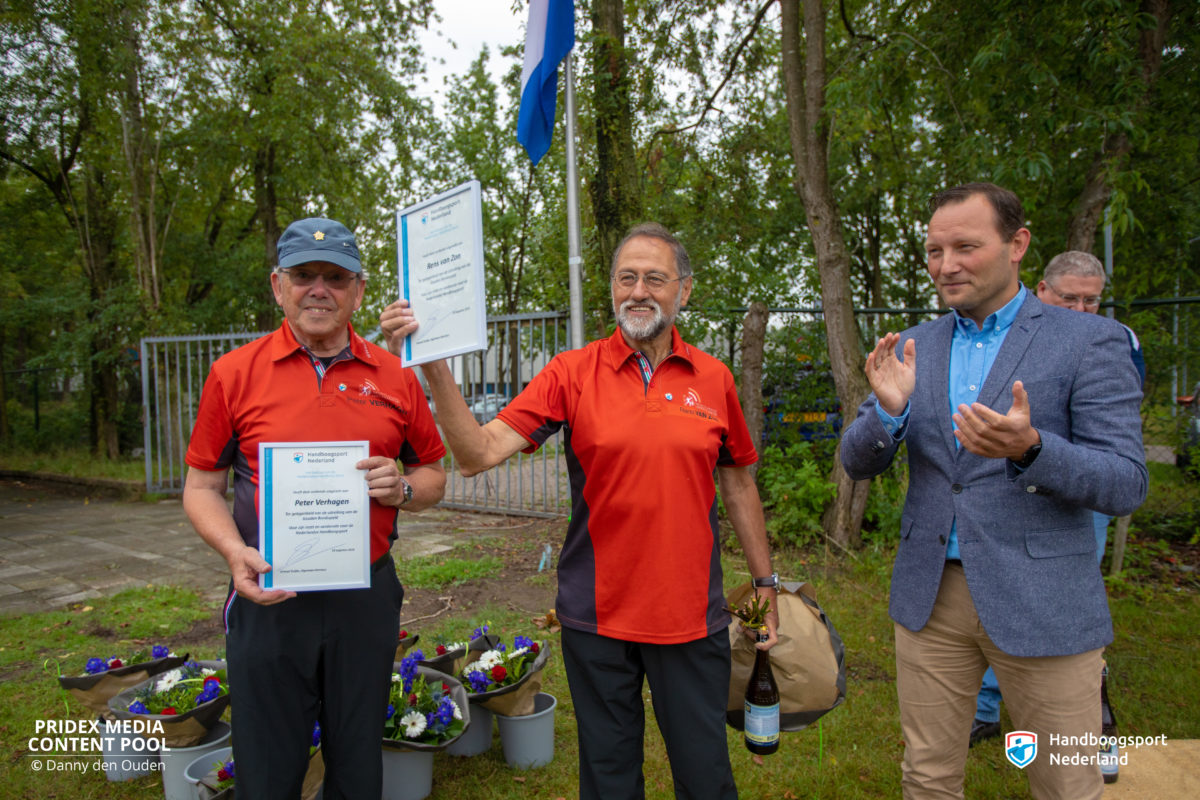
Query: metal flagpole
[[574, 237]]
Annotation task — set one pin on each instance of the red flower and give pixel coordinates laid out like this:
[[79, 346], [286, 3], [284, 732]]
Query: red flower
[[212, 679], [499, 673], [441, 649], [445, 689], [412, 699], [223, 774], [535, 647], [116, 662], [169, 710], [403, 633]]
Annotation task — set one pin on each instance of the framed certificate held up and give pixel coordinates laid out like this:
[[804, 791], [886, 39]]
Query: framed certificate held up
[[314, 516], [440, 259]]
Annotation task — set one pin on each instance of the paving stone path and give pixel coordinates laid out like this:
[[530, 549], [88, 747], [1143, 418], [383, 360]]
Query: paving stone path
[[60, 546]]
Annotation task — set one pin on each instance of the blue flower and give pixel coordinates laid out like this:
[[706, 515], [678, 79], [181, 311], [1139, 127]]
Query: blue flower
[[192, 667], [229, 768], [96, 665], [160, 651], [522, 641], [479, 682], [138, 707], [317, 727], [480, 631], [500, 647], [445, 711], [317, 733]]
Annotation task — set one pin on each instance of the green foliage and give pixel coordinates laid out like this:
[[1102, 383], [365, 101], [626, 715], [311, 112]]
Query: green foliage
[[437, 572], [885, 504], [795, 490]]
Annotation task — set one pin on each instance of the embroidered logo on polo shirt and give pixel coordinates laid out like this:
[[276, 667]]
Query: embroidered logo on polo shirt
[[379, 397], [694, 406]]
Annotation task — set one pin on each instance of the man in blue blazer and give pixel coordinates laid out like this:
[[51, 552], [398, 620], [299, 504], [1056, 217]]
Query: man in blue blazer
[[1020, 420]]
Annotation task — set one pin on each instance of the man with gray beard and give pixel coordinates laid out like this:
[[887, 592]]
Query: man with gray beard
[[647, 419]]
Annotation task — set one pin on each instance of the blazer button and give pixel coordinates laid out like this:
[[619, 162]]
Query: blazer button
[[956, 488], [1031, 489], [878, 447]]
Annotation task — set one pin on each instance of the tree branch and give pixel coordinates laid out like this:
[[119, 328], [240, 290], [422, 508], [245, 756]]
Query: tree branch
[[710, 104]]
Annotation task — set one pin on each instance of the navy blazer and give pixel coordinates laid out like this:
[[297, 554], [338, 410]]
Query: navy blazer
[[1026, 538]]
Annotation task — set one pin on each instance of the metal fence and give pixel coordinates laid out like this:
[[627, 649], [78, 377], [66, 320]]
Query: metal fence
[[174, 369]]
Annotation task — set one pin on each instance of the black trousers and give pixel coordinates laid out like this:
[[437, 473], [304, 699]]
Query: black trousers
[[319, 656], [689, 685]]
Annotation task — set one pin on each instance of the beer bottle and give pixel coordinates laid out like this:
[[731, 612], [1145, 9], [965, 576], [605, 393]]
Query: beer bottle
[[1109, 754], [762, 705]]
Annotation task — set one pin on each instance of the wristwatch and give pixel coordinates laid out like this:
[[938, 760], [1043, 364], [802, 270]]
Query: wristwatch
[[408, 491], [771, 582], [1028, 457]]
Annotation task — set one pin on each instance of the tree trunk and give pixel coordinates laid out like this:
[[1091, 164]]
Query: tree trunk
[[141, 188], [804, 82], [268, 216], [754, 334], [1097, 189], [616, 198]]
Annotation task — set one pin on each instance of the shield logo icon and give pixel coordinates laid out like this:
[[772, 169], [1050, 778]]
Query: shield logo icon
[[298, 457], [1021, 748]]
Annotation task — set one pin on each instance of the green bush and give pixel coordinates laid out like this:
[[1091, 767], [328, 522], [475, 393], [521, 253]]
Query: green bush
[[795, 490]]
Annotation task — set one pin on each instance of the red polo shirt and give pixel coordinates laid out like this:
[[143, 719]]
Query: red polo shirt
[[641, 561], [268, 391]]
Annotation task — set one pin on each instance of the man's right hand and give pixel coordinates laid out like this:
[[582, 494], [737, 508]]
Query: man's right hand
[[398, 322], [245, 565], [891, 378]]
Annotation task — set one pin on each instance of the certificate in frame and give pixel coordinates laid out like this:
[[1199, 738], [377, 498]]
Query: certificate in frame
[[314, 516], [440, 264]]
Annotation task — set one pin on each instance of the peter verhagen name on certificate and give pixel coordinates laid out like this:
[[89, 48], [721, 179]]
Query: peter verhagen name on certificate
[[314, 520]]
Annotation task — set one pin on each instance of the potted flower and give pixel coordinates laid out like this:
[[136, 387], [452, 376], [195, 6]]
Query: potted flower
[[104, 677], [217, 779], [185, 702], [427, 711], [506, 679], [405, 642], [447, 657]]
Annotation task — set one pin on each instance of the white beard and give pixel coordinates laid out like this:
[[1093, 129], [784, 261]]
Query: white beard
[[643, 330]]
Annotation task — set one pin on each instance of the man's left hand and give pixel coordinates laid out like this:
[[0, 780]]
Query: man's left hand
[[986, 433], [772, 621], [383, 480]]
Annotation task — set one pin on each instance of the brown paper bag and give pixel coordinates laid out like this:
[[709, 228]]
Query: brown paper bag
[[809, 661], [94, 691]]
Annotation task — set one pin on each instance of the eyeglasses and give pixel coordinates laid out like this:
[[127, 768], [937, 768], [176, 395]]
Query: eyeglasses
[[652, 281], [1091, 301], [334, 280]]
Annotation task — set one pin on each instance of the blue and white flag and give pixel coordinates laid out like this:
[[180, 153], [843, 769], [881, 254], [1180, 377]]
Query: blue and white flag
[[549, 36]]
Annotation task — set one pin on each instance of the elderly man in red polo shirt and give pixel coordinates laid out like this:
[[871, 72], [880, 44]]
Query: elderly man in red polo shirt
[[317, 655], [648, 419]]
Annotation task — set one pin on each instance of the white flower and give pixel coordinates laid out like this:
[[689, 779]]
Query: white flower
[[457, 711], [491, 658], [169, 679], [205, 672], [515, 654], [396, 677], [414, 724]]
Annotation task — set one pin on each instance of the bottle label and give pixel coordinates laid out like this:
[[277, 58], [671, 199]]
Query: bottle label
[[762, 723], [1110, 760]]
